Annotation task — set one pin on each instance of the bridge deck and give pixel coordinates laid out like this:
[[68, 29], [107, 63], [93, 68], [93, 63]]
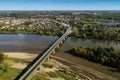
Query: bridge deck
[[33, 66]]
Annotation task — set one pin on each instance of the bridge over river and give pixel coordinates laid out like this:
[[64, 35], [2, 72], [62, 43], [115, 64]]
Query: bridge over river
[[27, 73]]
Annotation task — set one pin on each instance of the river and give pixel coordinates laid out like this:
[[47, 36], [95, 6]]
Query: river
[[36, 43]]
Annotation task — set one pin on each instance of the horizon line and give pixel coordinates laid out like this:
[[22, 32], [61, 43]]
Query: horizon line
[[61, 10]]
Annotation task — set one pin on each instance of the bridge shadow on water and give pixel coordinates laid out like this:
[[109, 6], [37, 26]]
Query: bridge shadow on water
[[34, 60]]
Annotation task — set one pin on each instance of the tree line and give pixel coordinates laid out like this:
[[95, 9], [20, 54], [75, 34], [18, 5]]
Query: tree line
[[106, 56]]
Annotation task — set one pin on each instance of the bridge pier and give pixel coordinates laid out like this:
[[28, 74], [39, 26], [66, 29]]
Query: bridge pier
[[38, 68], [63, 39], [66, 37], [61, 42], [58, 46], [48, 58], [53, 51]]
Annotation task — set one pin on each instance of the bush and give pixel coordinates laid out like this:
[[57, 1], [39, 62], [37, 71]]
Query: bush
[[47, 65], [2, 57]]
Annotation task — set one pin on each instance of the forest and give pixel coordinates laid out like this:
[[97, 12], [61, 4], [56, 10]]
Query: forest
[[106, 56]]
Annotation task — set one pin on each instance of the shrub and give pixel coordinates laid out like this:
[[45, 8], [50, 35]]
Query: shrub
[[47, 65], [2, 56]]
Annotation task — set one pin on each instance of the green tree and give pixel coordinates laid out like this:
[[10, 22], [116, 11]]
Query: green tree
[[75, 32]]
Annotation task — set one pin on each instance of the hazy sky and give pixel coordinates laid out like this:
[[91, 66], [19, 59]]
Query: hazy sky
[[59, 4]]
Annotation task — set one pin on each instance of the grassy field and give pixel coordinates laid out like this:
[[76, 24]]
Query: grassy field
[[10, 74]]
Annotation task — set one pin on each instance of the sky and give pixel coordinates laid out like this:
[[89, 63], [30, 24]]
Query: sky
[[59, 4]]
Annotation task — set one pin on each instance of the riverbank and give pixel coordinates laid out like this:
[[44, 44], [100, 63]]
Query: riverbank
[[18, 59], [84, 68], [20, 55], [50, 70], [104, 56]]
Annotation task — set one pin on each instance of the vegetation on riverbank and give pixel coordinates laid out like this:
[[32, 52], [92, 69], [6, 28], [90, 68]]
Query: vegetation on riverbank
[[10, 74], [107, 56], [93, 33], [6, 72], [48, 71], [96, 25], [52, 31], [2, 57], [63, 74], [3, 66]]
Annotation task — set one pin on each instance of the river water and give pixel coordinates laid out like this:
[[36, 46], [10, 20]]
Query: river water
[[24, 43], [37, 43]]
